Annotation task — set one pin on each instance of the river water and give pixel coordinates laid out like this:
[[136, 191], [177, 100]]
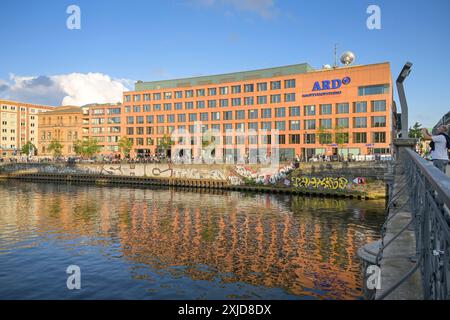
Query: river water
[[174, 244]]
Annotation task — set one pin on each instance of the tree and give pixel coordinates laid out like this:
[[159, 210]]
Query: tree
[[87, 148], [55, 147], [416, 131], [341, 137], [125, 146], [165, 143], [29, 148], [324, 136]]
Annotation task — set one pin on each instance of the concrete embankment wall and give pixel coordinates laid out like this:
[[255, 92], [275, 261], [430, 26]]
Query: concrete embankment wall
[[362, 180]]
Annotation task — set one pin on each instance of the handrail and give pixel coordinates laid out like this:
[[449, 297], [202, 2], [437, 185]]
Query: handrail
[[438, 180]]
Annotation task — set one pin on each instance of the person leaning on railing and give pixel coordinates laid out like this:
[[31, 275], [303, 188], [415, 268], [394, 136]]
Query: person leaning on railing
[[439, 145]]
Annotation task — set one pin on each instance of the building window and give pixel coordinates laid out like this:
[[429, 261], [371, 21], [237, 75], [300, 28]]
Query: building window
[[178, 106], [266, 113], [212, 103], [200, 92], [360, 137], [262, 86], [360, 107], [253, 126], [310, 138], [310, 110], [280, 112], [192, 117], [379, 137], [249, 101], [275, 85], [294, 111], [294, 125], [181, 117], [379, 106], [178, 94], [310, 124], [240, 114], [325, 109], [294, 139], [167, 106], [189, 93], [223, 90], [261, 99], [157, 107], [342, 122], [289, 84], [360, 122], [379, 122], [266, 125], [212, 91], [236, 102], [170, 118], [326, 123], [227, 115], [157, 96], [150, 119], [200, 104], [249, 88], [342, 108], [275, 98], [289, 97], [223, 102], [130, 120], [160, 119], [280, 125], [235, 89], [136, 97], [253, 114], [373, 90], [215, 116], [204, 116]]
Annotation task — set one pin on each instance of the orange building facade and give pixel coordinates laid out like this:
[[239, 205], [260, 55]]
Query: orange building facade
[[316, 112]]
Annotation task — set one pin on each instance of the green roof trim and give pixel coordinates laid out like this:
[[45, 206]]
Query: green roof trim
[[224, 78]]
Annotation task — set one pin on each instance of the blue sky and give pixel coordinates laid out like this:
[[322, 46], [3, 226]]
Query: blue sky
[[124, 41]]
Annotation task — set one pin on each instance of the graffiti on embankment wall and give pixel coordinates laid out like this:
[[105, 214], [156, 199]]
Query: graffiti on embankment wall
[[329, 183]]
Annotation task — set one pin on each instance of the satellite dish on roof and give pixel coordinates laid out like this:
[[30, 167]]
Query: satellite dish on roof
[[326, 67], [347, 58]]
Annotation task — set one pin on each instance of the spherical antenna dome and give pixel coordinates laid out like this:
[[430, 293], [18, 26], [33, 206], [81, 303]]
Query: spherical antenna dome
[[347, 58]]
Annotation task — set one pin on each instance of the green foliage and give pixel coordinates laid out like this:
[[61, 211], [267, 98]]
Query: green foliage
[[28, 148], [416, 131], [87, 148], [165, 143], [55, 147], [125, 146]]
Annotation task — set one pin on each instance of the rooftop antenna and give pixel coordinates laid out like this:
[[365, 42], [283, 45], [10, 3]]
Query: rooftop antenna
[[335, 56]]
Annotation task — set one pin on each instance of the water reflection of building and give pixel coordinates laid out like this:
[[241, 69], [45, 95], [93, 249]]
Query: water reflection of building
[[271, 241]]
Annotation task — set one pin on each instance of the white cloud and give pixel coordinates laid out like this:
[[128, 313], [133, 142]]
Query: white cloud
[[264, 8], [66, 89]]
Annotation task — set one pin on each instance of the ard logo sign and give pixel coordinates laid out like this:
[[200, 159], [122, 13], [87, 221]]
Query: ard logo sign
[[331, 84]]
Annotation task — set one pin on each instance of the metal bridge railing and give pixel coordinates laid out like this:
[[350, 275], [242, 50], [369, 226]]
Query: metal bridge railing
[[430, 203]]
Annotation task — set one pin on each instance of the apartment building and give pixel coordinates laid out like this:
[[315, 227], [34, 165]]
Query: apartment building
[[102, 122], [18, 125]]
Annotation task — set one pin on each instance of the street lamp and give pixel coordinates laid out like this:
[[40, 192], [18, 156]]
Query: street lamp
[[402, 97]]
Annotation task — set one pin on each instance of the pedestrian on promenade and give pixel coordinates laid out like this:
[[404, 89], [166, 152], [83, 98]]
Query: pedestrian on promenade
[[439, 145]]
